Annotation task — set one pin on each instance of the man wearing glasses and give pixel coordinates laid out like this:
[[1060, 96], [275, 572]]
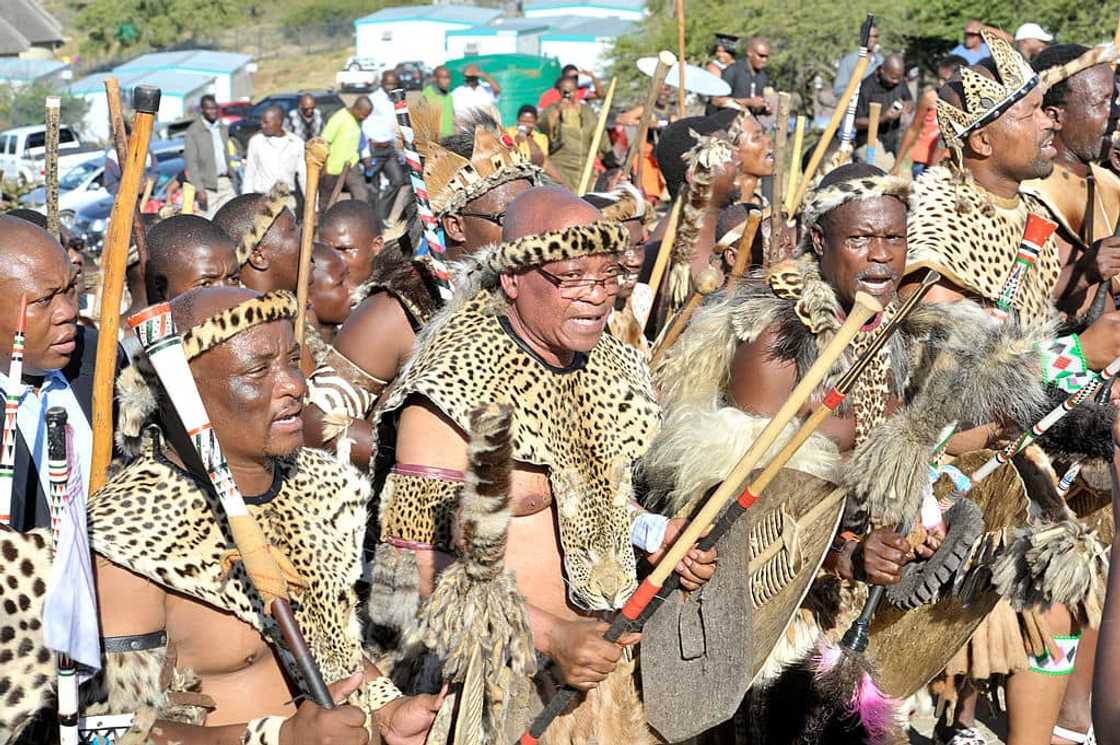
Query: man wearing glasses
[[973, 49], [748, 79], [528, 331]]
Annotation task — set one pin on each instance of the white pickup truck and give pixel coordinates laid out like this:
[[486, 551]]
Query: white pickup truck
[[358, 74], [23, 149]]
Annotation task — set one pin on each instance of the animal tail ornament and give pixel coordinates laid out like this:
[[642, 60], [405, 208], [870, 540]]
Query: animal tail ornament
[[432, 249], [11, 406], [475, 622]]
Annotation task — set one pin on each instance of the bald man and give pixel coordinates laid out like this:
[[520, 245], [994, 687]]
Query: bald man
[[556, 274], [343, 132], [886, 87], [57, 364], [748, 78], [266, 238], [188, 251]]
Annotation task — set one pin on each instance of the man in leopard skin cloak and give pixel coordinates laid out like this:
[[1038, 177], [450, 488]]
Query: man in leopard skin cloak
[[525, 330], [189, 653], [471, 176], [739, 360], [967, 221]]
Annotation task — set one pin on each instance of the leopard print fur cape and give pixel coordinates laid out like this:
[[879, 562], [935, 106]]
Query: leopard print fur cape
[[960, 231], [156, 520], [586, 425]]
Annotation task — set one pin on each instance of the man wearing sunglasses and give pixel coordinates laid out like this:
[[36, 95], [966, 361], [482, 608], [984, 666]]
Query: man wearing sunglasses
[[528, 331], [972, 48], [747, 77]]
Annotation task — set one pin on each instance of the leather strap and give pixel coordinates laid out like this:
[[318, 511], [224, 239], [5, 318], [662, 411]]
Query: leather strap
[[134, 643]]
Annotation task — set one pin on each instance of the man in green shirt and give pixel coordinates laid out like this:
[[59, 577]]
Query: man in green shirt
[[343, 132], [438, 94]]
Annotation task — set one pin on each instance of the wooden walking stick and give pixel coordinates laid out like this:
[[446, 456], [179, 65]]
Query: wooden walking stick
[[664, 252], [638, 607], [875, 109], [706, 283], [848, 131], [844, 107], [336, 192], [120, 145], [51, 166], [665, 60], [793, 176], [188, 199], [777, 224], [155, 329], [315, 154], [600, 127], [149, 184], [114, 261], [743, 252], [680, 59]]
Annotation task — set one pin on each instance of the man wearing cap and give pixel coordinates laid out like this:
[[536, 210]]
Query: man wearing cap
[[1031, 39], [528, 322], [967, 221], [475, 93]]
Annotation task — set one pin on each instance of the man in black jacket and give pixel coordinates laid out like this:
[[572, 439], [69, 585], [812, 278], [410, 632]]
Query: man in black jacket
[[57, 365]]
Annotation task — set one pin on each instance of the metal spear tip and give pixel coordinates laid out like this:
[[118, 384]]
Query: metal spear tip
[[145, 99]]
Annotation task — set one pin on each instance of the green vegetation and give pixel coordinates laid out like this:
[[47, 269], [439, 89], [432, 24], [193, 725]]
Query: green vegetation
[[112, 26], [23, 106]]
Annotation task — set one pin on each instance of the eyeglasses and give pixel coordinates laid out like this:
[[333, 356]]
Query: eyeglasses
[[572, 288], [497, 219]]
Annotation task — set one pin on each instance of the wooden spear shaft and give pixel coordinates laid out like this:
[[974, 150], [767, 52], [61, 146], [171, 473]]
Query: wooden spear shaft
[[315, 154], [114, 261], [664, 251], [664, 62], [794, 173], [680, 59], [600, 126], [51, 166], [774, 255], [875, 110], [120, 144]]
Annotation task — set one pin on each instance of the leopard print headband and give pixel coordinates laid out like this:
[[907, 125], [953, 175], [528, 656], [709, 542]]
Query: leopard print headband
[[273, 306], [558, 245]]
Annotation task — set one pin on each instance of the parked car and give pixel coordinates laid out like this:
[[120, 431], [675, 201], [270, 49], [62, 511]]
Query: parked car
[[91, 220], [248, 125], [412, 75], [233, 111], [84, 183], [23, 149], [355, 78]]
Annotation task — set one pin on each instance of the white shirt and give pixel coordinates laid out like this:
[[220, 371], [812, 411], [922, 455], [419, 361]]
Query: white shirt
[[31, 421], [381, 124], [464, 98], [272, 159]]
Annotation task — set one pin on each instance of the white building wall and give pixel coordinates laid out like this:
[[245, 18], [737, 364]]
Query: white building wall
[[401, 41], [586, 55], [95, 124], [461, 46], [584, 11], [529, 44]]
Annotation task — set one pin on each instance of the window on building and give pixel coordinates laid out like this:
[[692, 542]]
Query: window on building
[[471, 48], [386, 36]]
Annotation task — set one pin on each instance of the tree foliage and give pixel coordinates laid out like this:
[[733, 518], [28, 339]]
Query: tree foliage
[[807, 37], [25, 105], [122, 25]]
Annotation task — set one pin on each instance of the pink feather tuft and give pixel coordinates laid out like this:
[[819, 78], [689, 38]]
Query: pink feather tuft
[[826, 658], [877, 712]]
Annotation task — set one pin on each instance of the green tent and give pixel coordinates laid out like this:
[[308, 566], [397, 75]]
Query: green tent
[[522, 77]]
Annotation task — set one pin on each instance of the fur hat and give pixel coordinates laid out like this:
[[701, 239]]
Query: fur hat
[[279, 197], [272, 306], [984, 99], [557, 245], [832, 194]]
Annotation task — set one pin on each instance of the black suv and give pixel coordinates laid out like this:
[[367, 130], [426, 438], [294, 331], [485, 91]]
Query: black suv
[[248, 125]]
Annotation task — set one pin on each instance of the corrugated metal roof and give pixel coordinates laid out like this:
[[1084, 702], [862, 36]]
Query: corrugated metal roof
[[515, 25], [468, 14], [31, 21], [616, 4], [171, 82], [12, 42], [591, 28], [28, 70], [188, 59]]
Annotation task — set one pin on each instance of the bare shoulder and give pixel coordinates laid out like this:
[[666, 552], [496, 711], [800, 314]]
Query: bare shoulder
[[760, 382], [428, 437], [129, 604], [376, 336]]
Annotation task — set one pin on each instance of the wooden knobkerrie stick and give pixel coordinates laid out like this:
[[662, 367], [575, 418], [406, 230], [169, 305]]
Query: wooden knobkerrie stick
[[188, 199], [148, 186], [664, 252], [50, 165], [774, 254], [600, 126], [315, 154], [875, 110], [743, 252], [665, 60], [680, 59], [120, 145], [336, 192], [114, 262], [793, 177]]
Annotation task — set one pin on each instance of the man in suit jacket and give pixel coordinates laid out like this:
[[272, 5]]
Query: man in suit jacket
[[57, 365], [207, 156]]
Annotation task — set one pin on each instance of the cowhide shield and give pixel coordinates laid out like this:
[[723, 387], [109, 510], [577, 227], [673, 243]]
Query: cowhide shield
[[716, 641], [909, 648]]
